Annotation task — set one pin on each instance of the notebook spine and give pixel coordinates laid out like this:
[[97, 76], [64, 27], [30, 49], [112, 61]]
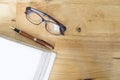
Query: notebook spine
[[45, 66]]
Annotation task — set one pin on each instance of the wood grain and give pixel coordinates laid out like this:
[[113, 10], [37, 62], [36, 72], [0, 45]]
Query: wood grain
[[92, 53]]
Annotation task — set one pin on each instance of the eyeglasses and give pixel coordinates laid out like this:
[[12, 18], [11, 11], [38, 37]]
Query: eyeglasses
[[51, 25]]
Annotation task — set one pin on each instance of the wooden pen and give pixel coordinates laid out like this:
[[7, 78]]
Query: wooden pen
[[39, 41]]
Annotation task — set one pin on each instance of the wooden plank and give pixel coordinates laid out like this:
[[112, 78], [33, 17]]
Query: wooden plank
[[86, 54]]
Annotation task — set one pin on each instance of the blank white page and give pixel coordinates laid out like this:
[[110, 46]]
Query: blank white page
[[17, 61]]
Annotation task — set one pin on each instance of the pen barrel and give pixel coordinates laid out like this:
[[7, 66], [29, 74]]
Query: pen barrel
[[45, 44], [39, 41]]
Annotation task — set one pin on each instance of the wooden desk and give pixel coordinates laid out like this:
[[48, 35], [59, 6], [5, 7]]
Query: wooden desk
[[80, 55]]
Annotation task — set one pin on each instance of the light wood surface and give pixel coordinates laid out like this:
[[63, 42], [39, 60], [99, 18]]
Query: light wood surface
[[92, 53]]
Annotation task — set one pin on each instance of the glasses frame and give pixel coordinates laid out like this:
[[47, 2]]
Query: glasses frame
[[62, 28]]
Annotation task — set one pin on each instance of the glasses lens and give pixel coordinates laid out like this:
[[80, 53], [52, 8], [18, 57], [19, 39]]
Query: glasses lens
[[53, 28], [34, 18]]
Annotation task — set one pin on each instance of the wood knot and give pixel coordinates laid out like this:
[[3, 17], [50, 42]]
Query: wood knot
[[13, 20], [78, 29]]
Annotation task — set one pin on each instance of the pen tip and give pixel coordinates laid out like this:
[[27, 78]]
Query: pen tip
[[11, 27]]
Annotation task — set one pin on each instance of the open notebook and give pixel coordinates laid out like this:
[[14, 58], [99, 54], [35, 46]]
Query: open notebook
[[21, 62]]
